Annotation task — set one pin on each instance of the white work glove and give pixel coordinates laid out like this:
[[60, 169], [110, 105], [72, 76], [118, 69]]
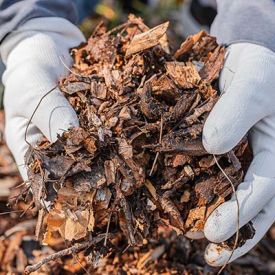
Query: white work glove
[[247, 104], [32, 55]]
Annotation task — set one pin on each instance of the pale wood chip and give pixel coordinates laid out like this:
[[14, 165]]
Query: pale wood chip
[[184, 74], [147, 39]]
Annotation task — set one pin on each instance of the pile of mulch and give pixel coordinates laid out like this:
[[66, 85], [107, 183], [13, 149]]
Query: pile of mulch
[[171, 254], [122, 188], [136, 163]]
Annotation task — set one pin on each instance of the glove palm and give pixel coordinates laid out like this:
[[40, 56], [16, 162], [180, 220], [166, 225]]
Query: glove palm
[[246, 105]]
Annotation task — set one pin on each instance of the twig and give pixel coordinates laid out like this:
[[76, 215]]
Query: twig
[[9, 212], [117, 28], [68, 251], [19, 185], [107, 230], [39, 223], [178, 179], [75, 256], [30, 120], [25, 226], [26, 210], [238, 216], [154, 164], [126, 248], [72, 72], [157, 155]]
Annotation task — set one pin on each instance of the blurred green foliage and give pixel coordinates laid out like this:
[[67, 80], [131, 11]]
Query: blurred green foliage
[[114, 12]]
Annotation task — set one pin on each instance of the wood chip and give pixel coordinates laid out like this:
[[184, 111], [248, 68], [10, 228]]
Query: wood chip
[[147, 40]]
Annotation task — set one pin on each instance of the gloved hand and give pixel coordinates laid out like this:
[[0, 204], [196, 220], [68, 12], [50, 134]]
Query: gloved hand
[[246, 105], [32, 55]]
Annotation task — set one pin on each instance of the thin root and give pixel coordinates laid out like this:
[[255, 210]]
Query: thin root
[[238, 216]]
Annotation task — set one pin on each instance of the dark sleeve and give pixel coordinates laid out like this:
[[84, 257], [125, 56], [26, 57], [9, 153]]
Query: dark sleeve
[[13, 13], [245, 21]]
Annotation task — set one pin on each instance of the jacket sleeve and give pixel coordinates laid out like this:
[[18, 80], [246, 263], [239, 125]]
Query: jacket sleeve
[[245, 21], [13, 13]]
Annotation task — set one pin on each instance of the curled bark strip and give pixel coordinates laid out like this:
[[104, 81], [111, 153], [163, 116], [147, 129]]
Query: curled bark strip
[[192, 147], [128, 220], [207, 107]]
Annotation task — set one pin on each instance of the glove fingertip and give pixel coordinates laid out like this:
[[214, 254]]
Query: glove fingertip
[[197, 235], [221, 224], [214, 139], [216, 255], [62, 118]]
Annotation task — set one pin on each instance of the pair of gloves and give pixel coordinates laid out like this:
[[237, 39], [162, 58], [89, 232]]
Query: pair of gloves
[[33, 54]]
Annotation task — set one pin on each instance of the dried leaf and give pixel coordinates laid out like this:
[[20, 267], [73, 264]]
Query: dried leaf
[[90, 145], [125, 113], [180, 160], [57, 166]]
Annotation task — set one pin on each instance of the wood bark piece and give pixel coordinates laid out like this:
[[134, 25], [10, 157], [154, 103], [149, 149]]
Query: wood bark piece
[[185, 75], [189, 43], [147, 40], [213, 65]]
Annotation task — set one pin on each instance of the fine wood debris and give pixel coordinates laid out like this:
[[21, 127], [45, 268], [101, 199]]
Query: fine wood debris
[[136, 162]]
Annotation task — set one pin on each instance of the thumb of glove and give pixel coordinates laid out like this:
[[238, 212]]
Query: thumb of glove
[[247, 83]]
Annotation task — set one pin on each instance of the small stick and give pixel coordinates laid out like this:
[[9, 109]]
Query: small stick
[[26, 210], [9, 212], [36, 108], [75, 256], [126, 248], [19, 185], [128, 220], [72, 72], [154, 164], [107, 230], [178, 179], [238, 216], [117, 28], [157, 155], [71, 250], [39, 223]]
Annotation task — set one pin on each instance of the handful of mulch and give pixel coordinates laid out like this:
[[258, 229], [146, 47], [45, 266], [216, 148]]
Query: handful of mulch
[[136, 163]]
